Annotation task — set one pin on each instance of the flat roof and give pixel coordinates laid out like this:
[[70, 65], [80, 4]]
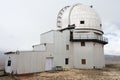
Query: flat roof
[[10, 52]]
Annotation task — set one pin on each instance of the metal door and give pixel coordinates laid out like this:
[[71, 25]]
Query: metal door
[[49, 64]]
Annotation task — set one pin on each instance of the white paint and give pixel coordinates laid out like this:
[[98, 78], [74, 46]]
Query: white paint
[[52, 51], [80, 12], [47, 38], [40, 47], [8, 68], [49, 64], [27, 62]]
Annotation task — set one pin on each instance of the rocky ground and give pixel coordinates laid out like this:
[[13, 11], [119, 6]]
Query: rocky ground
[[111, 72]]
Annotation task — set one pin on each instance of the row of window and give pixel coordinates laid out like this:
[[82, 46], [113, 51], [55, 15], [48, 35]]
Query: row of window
[[82, 44], [83, 61]]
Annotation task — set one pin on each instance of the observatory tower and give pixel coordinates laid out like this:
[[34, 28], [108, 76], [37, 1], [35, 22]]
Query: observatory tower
[[78, 42], [86, 35]]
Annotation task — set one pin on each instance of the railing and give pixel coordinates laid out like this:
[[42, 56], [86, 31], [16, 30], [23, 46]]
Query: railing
[[89, 38]]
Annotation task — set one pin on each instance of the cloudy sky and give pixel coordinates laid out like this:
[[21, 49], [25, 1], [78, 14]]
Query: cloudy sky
[[22, 21]]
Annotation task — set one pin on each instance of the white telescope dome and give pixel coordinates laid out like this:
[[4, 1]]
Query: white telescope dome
[[82, 16]]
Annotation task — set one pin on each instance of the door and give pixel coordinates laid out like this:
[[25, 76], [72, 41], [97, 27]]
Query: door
[[49, 64], [8, 67]]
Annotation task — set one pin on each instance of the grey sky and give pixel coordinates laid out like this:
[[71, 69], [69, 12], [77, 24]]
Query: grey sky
[[22, 21]]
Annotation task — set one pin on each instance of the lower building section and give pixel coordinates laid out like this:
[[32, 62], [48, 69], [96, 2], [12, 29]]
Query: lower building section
[[25, 62], [85, 56], [49, 63], [88, 55], [77, 51]]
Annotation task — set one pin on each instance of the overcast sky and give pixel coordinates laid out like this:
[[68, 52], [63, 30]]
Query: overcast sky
[[22, 21]]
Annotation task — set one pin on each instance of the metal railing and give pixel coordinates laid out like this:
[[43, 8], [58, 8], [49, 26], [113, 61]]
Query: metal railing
[[90, 38]]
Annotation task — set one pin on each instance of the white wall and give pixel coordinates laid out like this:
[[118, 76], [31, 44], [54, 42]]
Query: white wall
[[55, 47], [83, 52], [47, 37], [60, 53], [47, 47], [27, 62], [40, 47], [76, 52], [31, 62], [98, 55], [13, 67], [2, 60]]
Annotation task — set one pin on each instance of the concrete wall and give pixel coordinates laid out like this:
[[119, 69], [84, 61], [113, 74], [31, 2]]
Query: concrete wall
[[40, 47], [47, 47], [91, 51], [47, 37], [61, 40], [54, 46], [27, 62], [98, 55], [56, 42], [83, 52]]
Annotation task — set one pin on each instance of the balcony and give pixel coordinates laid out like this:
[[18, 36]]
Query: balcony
[[99, 39]]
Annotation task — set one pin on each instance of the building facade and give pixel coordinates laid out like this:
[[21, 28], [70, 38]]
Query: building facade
[[78, 42]]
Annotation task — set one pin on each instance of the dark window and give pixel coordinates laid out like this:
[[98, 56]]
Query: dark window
[[82, 22], [83, 61], [66, 61], [91, 6], [59, 26], [59, 21], [67, 47], [9, 63], [100, 25], [82, 43]]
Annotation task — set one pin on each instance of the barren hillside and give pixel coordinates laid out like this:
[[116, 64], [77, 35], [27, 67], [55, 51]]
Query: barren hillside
[[112, 59]]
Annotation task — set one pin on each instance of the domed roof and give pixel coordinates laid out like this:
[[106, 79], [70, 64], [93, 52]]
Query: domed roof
[[82, 16]]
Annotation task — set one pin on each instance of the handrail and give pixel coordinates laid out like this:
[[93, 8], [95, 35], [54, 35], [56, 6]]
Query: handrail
[[91, 38]]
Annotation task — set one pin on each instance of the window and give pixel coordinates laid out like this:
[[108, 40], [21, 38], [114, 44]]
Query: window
[[100, 25], [82, 43], [91, 6], [9, 63], [83, 61], [67, 47], [66, 61], [82, 22]]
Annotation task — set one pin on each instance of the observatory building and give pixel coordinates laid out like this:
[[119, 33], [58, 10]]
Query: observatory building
[[78, 42]]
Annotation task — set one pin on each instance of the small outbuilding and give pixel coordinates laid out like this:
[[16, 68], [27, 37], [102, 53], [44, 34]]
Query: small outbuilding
[[24, 62]]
